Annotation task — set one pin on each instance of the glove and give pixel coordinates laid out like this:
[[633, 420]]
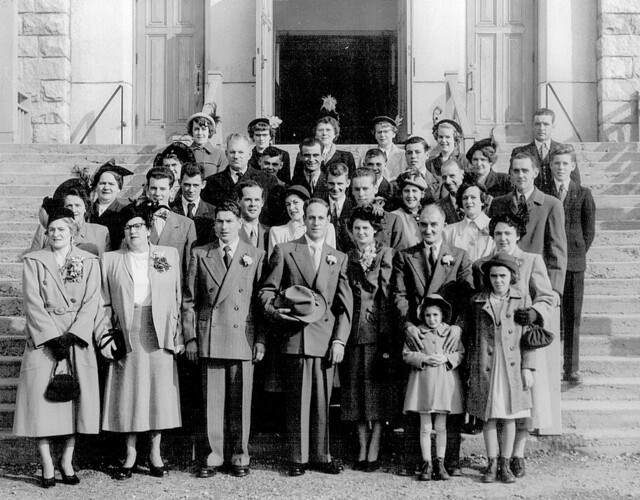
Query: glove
[[526, 316], [58, 348]]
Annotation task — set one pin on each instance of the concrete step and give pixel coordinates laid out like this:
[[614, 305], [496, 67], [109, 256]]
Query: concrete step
[[54, 180], [11, 254], [10, 288], [6, 415], [12, 345], [79, 158], [587, 415], [8, 389], [21, 214], [610, 324], [100, 149], [617, 188], [610, 366], [12, 325], [603, 270], [606, 345], [11, 306], [609, 286], [618, 253], [613, 237], [618, 213], [603, 389], [593, 304], [10, 366], [16, 239], [50, 168]]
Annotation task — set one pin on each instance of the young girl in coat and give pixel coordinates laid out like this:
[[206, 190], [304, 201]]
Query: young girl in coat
[[434, 389], [499, 372]]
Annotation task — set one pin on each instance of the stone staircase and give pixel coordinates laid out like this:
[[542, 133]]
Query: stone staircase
[[603, 414]]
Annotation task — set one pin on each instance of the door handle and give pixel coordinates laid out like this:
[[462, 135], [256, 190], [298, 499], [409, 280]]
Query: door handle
[[471, 78], [198, 80]]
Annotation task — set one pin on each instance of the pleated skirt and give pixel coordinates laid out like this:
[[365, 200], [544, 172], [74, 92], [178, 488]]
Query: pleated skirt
[[142, 391]]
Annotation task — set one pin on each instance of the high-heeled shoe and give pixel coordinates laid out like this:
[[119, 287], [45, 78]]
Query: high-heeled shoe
[[72, 480], [157, 471], [47, 482]]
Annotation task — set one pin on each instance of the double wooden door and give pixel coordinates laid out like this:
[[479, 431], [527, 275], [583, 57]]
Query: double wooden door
[[169, 67]]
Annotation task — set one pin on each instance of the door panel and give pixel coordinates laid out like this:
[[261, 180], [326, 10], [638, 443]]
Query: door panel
[[264, 65], [500, 62], [170, 53]]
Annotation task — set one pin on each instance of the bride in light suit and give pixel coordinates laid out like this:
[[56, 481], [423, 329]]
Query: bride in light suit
[[141, 294]]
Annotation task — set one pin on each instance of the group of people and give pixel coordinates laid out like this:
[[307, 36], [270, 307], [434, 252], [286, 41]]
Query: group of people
[[408, 281]]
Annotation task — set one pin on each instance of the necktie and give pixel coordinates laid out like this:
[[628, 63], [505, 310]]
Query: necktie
[[254, 237], [432, 257], [227, 256], [543, 151], [562, 193], [334, 213], [317, 252], [159, 220], [312, 184], [190, 207]]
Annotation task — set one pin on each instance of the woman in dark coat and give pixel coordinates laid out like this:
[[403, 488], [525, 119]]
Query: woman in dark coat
[[61, 286], [365, 392], [482, 156]]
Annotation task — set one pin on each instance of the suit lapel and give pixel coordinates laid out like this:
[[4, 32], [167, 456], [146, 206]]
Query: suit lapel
[[441, 271], [214, 264], [418, 261], [50, 263], [233, 274], [325, 270], [302, 258]]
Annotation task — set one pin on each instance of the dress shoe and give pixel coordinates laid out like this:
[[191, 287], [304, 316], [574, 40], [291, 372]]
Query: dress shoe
[[575, 378], [297, 470], [157, 471], [333, 467], [454, 469], [425, 472], [47, 482], [123, 473], [490, 474], [439, 471], [504, 472], [372, 466], [206, 472], [72, 480], [360, 465], [517, 466], [240, 470]]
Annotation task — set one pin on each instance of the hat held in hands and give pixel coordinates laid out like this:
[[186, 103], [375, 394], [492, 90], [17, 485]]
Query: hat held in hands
[[305, 304]]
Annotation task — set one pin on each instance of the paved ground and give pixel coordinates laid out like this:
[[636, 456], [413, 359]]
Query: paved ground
[[551, 475]]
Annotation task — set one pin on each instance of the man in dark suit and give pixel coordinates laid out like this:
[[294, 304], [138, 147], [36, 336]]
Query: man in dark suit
[[221, 329], [452, 176], [311, 176], [340, 205], [363, 190], [169, 228], [222, 186], [543, 124], [310, 350], [431, 267], [251, 201], [580, 226], [189, 204]]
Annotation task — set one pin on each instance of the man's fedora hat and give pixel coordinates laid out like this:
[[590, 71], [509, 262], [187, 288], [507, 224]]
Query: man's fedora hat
[[305, 304]]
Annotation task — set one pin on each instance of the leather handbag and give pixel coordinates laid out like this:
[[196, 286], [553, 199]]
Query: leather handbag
[[62, 387], [535, 337]]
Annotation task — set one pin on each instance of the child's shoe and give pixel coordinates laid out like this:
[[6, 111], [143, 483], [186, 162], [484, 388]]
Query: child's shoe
[[439, 471], [425, 472], [504, 471], [490, 474]]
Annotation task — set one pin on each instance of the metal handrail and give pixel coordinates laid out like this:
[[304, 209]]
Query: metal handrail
[[120, 89], [548, 87]]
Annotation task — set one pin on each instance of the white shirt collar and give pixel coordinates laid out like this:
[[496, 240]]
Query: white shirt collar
[[185, 206], [233, 245], [437, 246], [481, 221], [338, 204], [527, 194], [566, 185], [311, 243], [546, 143]]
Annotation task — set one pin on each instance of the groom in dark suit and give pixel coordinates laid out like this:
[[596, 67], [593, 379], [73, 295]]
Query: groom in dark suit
[[431, 267], [544, 121], [310, 350]]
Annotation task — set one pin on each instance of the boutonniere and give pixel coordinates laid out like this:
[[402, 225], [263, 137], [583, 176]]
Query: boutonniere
[[367, 256], [331, 259], [246, 260], [160, 262], [73, 269], [447, 259]]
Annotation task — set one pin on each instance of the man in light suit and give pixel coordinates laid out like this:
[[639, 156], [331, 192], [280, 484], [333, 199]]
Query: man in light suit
[[429, 267], [191, 205], [169, 229], [220, 329], [310, 351], [251, 201], [543, 124]]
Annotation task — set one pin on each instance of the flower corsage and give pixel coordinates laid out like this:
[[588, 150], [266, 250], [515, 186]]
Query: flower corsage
[[331, 259], [73, 269], [160, 262], [246, 260], [368, 256], [447, 259]]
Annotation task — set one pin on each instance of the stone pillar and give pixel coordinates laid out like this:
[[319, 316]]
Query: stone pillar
[[618, 69], [8, 71], [45, 66]]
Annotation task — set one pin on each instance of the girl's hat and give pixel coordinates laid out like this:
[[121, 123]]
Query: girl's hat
[[453, 123], [436, 300], [384, 119], [412, 178], [298, 190], [482, 143], [213, 119], [501, 259]]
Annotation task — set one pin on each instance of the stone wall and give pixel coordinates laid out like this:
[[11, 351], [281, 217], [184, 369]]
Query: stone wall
[[618, 62], [44, 58]]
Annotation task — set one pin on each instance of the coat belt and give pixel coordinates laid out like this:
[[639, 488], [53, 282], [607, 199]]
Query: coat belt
[[62, 309]]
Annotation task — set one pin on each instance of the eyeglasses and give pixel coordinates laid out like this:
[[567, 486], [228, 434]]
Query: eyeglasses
[[137, 226]]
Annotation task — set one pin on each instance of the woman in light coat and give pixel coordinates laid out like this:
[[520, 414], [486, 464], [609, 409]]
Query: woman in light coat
[[61, 286], [141, 294]]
